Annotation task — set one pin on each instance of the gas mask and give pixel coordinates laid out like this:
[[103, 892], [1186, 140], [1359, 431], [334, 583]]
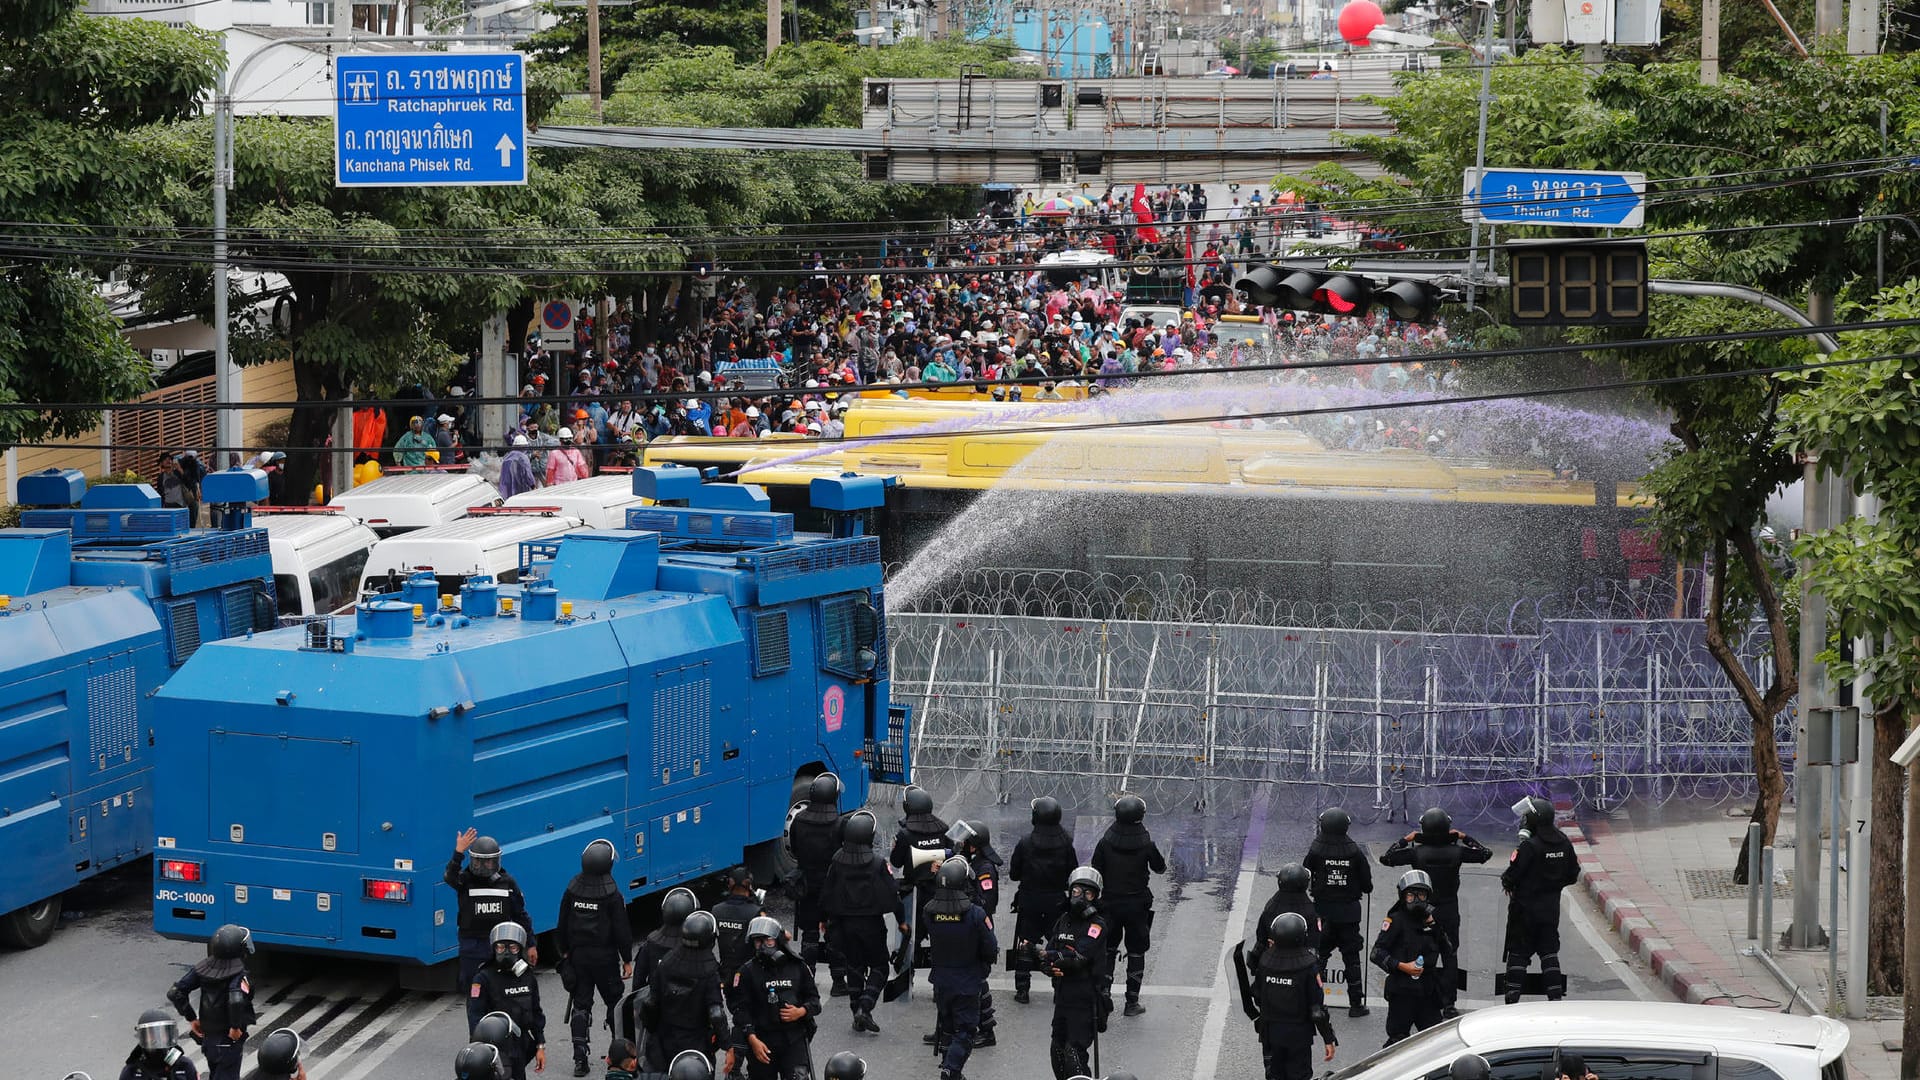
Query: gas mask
[[1080, 901], [166, 1057], [506, 957], [766, 950], [1419, 911]]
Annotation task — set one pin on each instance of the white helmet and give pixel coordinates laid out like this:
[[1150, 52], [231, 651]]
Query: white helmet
[[566, 433]]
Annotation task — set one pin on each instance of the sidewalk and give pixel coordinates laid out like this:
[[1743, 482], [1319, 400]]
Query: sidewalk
[[1667, 889]]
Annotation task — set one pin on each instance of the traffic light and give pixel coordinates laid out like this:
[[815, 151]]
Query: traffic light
[[1578, 282], [1337, 292]]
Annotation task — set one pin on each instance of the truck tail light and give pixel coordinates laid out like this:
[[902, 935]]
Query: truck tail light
[[383, 889], [180, 870]]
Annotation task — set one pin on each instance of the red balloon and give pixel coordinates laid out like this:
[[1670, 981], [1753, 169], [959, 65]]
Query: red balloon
[[1358, 20]]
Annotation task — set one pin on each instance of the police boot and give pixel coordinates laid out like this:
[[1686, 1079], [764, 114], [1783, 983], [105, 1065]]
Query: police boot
[[580, 1067], [984, 1037], [1516, 979], [1556, 983], [1136, 974], [1023, 987], [863, 1021], [1357, 999]]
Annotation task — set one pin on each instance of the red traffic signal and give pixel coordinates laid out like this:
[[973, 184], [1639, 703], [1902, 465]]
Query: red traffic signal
[[1329, 292]]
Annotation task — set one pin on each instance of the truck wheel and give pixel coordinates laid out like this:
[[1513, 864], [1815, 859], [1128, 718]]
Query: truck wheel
[[30, 927]]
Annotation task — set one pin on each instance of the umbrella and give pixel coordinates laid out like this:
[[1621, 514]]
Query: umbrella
[[1226, 69], [1080, 202], [1287, 197], [1055, 207]]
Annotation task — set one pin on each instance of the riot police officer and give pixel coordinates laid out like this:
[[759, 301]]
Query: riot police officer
[[507, 986], [690, 1065], [674, 909], [1042, 861], [812, 838], [1293, 881], [485, 896], [846, 1065], [858, 896], [1124, 857], [686, 1010], [279, 1056], [1289, 1000], [596, 944], [500, 1031], [963, 948], [731, 917], [157, 1054], [1409, 950], [773, 1024], [920, 830], [973, 841], [226, 1000], [479, 1060], [1543, 863], [1341, 876], [1075, 954], [1439, 850]]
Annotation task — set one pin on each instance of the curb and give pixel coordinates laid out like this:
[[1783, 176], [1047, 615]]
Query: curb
[[1640, 935]]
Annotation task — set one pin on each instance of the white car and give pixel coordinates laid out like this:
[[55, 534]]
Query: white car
[[1619, 1040]]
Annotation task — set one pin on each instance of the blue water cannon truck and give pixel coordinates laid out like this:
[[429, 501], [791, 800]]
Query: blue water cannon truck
[[100, 603], [671, 687]]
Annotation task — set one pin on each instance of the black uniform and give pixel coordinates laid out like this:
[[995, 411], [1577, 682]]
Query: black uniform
[[923, 832], [813, 836], [595, 939], [1413, 1001], [1543, 863], [762, 987], [986, 864], [1124, 857], [686, 1010], [482, 904], [1441, 856], [963, 948], [1341, 876], [498, 990], [1284, 901], [857, 897], [1076, 945], [731, 916], [1041, 864], [1286, 989], [226, 1004], [139, 1066]]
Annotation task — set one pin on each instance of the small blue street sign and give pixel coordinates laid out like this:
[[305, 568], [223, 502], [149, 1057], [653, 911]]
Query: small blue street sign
[[1565, 197], [429, 119]]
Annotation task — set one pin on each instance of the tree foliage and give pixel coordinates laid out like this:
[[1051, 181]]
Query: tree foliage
[[640, 34], [75, 96]]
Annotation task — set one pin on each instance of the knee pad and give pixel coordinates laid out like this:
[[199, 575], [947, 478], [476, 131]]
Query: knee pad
[[1549, 962]]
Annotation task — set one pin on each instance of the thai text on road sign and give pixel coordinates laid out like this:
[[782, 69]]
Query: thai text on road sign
[[430, 119], [1566, 197]]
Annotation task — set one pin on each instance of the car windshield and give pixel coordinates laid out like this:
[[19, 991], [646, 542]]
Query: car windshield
[[1422, 1053]]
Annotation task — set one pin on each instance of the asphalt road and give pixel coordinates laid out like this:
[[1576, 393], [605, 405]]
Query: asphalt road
[[76, 999]]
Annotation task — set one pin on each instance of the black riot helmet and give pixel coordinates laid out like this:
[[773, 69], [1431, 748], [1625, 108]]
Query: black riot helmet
[[479, 1061], [156, 1033], [1293, 878], [858, 830], [675, 907], [1334, 821], [824, 790], [764, 933], [1470, 1067], [507, 944], [846, 1065], [280, 1053], [739, 877], [1130, 810], [1414, 881], [690, 1065], [230, 942], [699, 930], [962, 834], [1288, 930], [1086, 877], [1046, 810], [483, 858], [496, 1029], [1436, 825], [916, 802], [954, 873], [1534, 813], [597, 858]]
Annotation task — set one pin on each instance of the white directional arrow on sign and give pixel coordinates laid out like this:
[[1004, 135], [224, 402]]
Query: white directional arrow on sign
[[506, 146]]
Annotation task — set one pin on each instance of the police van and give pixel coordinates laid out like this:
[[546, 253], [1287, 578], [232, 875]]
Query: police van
[[396, 503], [318, 554], [600, 501], [487, 542]]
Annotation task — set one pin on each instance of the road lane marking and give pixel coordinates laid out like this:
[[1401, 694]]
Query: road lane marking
[[1221, 999]]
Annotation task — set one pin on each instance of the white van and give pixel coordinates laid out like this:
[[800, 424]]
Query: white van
[[395, 504], [600, 501], [317, 559], [485, 544]]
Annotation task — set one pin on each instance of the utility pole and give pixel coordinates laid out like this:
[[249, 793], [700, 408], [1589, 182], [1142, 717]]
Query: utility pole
[[773, 26], [1709, 42], [1480, 145], [1826, 20], [1863, 27], [593, 59]]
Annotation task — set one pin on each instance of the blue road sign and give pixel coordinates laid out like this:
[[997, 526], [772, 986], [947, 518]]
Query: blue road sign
[[1566, 197], [429, 119]]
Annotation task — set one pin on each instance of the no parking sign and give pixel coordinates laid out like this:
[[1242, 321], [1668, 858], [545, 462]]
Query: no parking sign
[[556, 325]]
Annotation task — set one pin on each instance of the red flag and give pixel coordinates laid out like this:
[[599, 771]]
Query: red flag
[[1143, 214]]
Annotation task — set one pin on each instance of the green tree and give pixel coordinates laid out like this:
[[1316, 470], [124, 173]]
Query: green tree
[[636, 35], [75, 94]]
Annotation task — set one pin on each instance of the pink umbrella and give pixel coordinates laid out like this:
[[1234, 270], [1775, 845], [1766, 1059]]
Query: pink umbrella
[[1226, 69], [1055, 208]]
